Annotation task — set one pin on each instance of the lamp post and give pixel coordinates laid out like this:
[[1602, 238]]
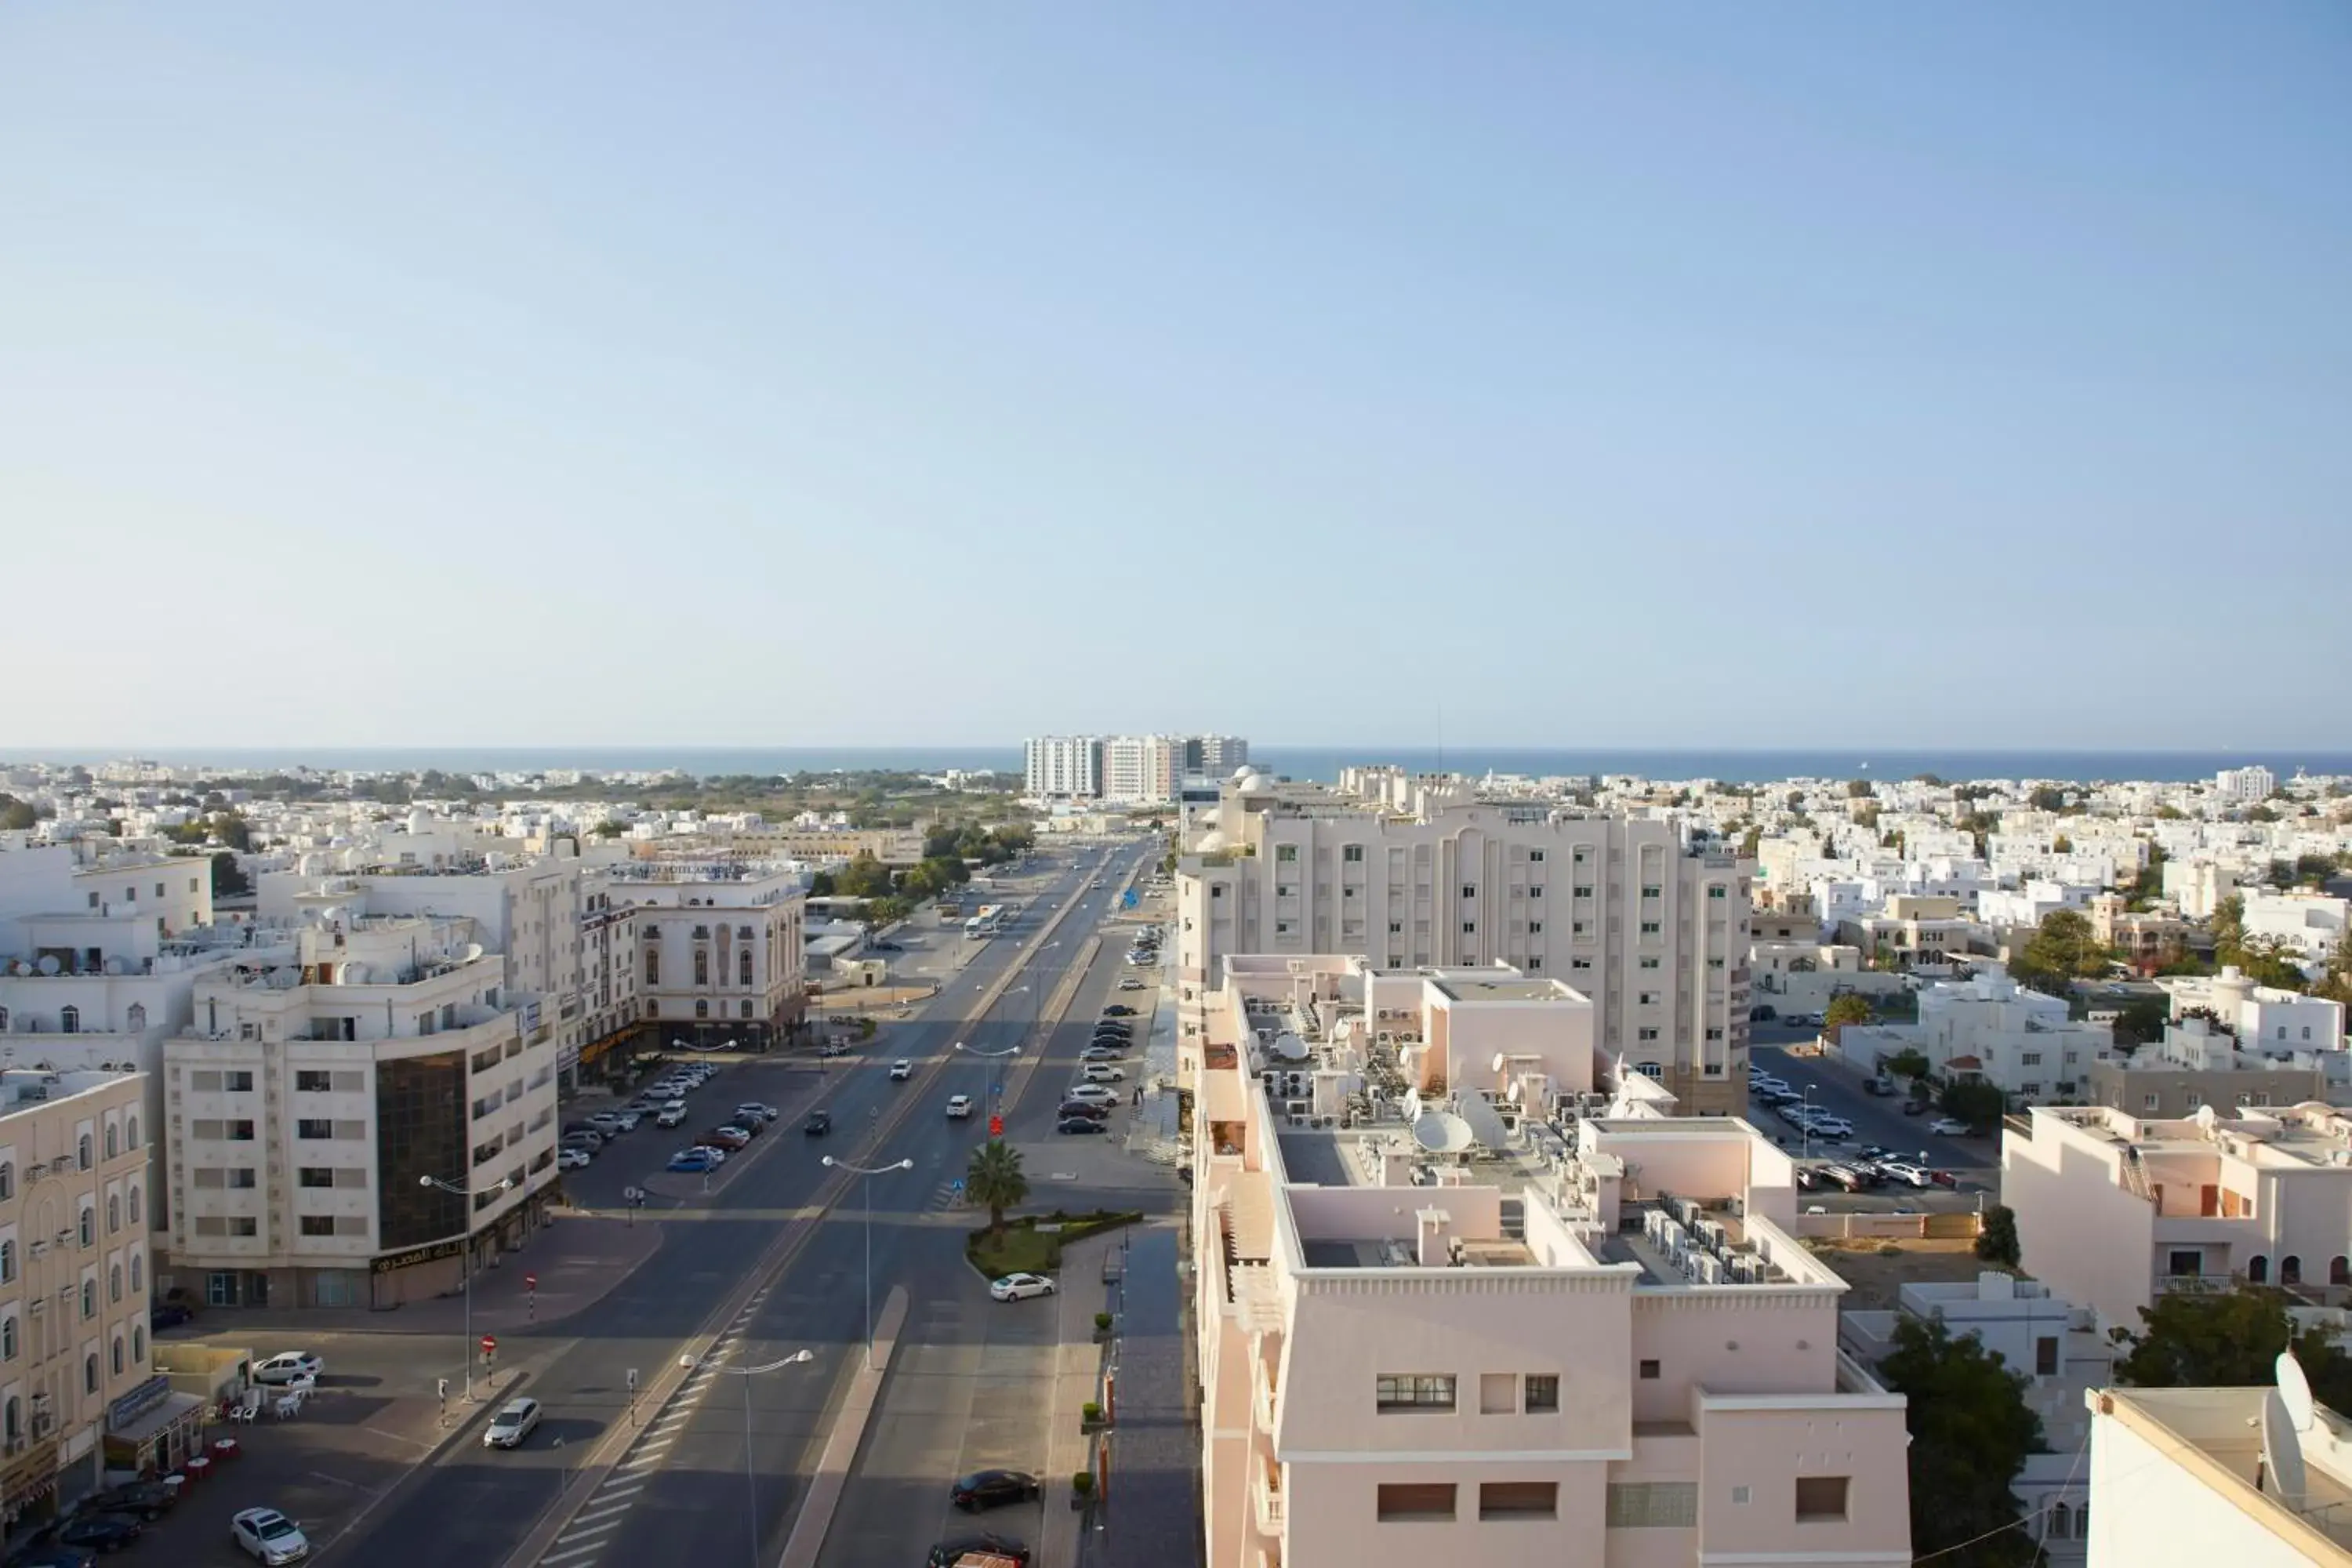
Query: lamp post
[[868, 1172], [996, 1089], [751, 1477], [1805, 1124], [466, 1267]]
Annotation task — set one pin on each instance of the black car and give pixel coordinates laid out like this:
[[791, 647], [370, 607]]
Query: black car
[[1113, 1032], [168, 1315], [885, 947], [947, 1554], [53, 1554], [991, 1489], [101, 1531], [1118, 1010], [150, 1500], [1085, 1108], [818, 1124], [1080, 1124]]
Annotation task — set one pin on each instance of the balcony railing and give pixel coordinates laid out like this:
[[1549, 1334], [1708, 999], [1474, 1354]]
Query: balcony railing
[[2191, 1284], [1270, 1513]]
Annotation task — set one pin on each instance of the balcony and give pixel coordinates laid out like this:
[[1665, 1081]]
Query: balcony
[[1267, 1493], [1264, 1394], [2191, 1284]]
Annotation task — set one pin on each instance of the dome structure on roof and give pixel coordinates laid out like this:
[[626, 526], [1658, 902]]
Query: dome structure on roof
[[1256, 783], [1212, 842]]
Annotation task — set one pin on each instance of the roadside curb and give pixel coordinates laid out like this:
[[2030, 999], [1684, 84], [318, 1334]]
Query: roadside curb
[[468, 1417], [813, 1521]]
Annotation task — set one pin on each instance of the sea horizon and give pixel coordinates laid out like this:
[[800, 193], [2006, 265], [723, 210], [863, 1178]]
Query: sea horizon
[[1318, 763]]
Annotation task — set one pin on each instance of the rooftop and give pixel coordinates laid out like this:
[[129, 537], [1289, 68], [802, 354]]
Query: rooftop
[[2283, 1137], [1510, 989], [2217, 1434]]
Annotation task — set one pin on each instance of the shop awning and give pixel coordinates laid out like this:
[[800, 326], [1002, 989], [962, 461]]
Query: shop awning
[[175, 1409]]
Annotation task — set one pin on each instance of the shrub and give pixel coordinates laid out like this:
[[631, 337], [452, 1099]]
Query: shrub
[[1102, 1322], [1082, 1483], [1091, 1412]]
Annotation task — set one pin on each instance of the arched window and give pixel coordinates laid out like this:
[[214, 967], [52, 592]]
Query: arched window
[[81, 1151], [3, 1020], [138, 1344], [134, 1206], [653, 967], [117, 1355], [2290, 1269], [89, 1373], [113, 1140], [135, 1019], [7, 1179], [88, 1226], [90, 1298], [2258, 1269], [2083, 1519], [114, 1287], [7, 1261], [136, 1271], [113, 1212], [130, 1131], [70, 1021], [743, 967], [2061, 1522], [2339, 1271]]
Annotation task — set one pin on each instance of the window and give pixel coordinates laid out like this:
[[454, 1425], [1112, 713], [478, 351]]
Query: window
[[70, 1021], [89, 1373], [1649, 889], [1513, 1499], [747, 1007], [317, 1224], [1820, 1499], [2290, 1270], [117, 1355], [82, 1150], [1534, 928], [7, 1179], [1542, 1390], [653, 968], [1469, 891], [2028, 1059], [2258, 1269], [88, 1226], [317, 1175], [2045, 1356], [114, 1286], [138, 1272], [1646, 998], [7, 1339], [1652, 1505], [1351, 854], [138, 1345], [1646, 1034], [8, 1262], [1535, 857], [1412, 1502], [1413, 1392], [743, 968], [1650, 928], [1286, 854], [113, 1212], [1649, 1372], [113, 1140], [1650, 963], [1716, 892], [129, 1134], [702, 1009], [314, 1127], [1582, 893], [1396, 928], [310, 1080], [237, 1082], [90, 1298], [133, 1194], [1536, 892]]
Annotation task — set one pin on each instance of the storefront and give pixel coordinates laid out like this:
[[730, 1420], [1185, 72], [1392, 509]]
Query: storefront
[[29, 1485], [151, 1430]]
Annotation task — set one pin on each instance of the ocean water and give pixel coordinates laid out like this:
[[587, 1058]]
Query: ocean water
[[1317, 762]]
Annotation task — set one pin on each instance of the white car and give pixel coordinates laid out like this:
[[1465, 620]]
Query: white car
[[288, 1366], [268, 1537], [958, 1107], [1130, 984], [513, 1423], [835, 1048], [572, 1159], [1020, 1286], [1101, 1073], [1906, 1171], [1100, 1054], [1091, 1094], [1946, 1127], [669, 1115], [902, 1070]]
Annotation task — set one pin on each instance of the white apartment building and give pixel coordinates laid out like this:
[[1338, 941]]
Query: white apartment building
[[2198, 886], [720, 946], [2113, 1209], [1139, 769], [1428, 1330], [2199, 1063], [74, 1285], [2311, 925], [319, 1086], [1990, 1029], [1655, 933], [609, 965], [1068, 766], [2185, 1475], [2245, 786], [2264, 1017]]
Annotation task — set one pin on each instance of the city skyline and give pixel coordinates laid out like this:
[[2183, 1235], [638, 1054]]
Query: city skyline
[[1611, 376]]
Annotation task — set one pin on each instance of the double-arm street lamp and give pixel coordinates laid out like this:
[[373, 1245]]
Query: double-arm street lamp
[[465, 1265], [751, 1477], [868, 1173]]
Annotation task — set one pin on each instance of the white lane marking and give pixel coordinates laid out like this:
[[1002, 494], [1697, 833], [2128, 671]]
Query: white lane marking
[[593, 1547], [614, 1523], [586, 1518], [610, 1490]]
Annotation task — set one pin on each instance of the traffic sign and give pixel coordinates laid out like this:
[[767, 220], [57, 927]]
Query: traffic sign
[[489, 1344], [958, 1186], [531, 1281]]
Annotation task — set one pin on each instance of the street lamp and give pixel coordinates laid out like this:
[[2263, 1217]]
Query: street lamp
[[867, 1185], [996, 1089], [1805, 1124], [466, 1267], [750, 1478]]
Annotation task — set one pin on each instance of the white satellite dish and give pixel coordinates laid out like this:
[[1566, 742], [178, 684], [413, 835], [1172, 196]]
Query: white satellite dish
[[1411, 1105], [2295, 1389], [49, 963], [114, 966], [355, 974], [2283, 1472], [1441, 1132], [470, 952], [1515, 1091]]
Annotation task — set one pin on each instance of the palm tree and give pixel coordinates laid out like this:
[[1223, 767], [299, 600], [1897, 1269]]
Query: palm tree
[[994, 1178]]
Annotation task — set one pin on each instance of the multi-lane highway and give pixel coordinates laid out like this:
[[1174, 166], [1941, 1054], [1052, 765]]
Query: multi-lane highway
[[682, 1494]]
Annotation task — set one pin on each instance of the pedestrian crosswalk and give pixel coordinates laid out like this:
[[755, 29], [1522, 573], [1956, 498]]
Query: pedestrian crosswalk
[[946, 1197]]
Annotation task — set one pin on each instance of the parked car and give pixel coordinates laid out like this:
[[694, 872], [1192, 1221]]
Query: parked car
[[818, 1124], [101, 1533], [733, 1137], [766, 1113], [591, 1141], [958, 1107], [516, 1420], [902, 1070], [1121, 1010], [1020, 1286], [949, 1552], [572, 1159], [1130, 984], [268, 1537], [168, 1315], [1906, 1171], [1101, 1073], [286, 1366], [1080, 1125], [1948, 1127], [1101, 1054], [1091, 1094], [669, 1115], [694, 1159], [1070, 1107], [54, 1554], [993, 1489], [148, 1499]]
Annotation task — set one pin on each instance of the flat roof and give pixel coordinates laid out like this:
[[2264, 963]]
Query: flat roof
[[1515, 989]]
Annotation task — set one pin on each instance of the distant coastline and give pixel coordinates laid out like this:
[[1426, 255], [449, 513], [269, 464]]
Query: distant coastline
[[1317, 763]]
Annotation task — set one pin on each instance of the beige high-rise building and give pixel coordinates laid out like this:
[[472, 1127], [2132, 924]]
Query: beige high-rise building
[[1655, 933]]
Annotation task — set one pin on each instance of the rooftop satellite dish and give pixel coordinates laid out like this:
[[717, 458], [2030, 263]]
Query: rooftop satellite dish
[[356, 975], [114, 966], [49, 963], [1411, 1105], [1441, 1132], [1288, 1047], [2295, 1391], [2282, 1472], [470, 952], [1515, 1091]]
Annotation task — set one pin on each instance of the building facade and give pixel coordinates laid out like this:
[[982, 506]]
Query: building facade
[[1139, 769], [1065, 766], [721, 949]]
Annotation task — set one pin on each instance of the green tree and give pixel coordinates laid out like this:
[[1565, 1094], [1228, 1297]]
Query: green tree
[[2141, 1022], [608, 828], [1978, 1104], [228, 882], [2229, 925], [1997, 1241], [1748, 841], [2269, 961], [2228, 1338], [2064, 947], [995, 1177], [2312, 871], [231, 829], [1970, 1432], [2047, 797], [2170, 814], [864, 877], [821, 885], [1857, 789], [1844, 1008]]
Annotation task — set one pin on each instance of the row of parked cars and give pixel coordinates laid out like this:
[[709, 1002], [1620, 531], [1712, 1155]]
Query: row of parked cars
[[114, 1520], [1087, 1104], [1874, 1166]]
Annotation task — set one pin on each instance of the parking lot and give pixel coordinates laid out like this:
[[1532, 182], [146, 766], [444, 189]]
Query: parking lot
[[1831, 1086]]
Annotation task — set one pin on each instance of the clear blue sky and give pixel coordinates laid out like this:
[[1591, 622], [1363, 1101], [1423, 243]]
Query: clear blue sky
[[1959, 376]]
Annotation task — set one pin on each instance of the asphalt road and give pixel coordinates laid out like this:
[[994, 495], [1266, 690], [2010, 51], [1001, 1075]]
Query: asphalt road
[[474, 1506], [1877, 1119]]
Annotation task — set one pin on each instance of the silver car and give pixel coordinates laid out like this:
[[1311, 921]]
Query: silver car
[[514, 1422]]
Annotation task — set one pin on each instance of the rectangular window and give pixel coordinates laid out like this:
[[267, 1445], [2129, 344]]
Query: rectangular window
[[350, 1176], [351, 1082], [2045, 1356], [1716, 892], [1542, 1389], [1518, 1499], [1534, 928], [317, 1224], [1645, 1034], [1413, 1392], [1820, 1499], [1652, 1505], [1535, 857], [1469, 891], [316, 1176], [1652, 961], [1650, 928], [244, 1224], [1411, 1502], [1351, 854], [237, 1082], [314, 1127], [1584, 892], [1649, 889], [310, 1080], [204, 1083], [1286, 854], [1396, 928], [1469, 928], [207, 1178], [1649, 1370]]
